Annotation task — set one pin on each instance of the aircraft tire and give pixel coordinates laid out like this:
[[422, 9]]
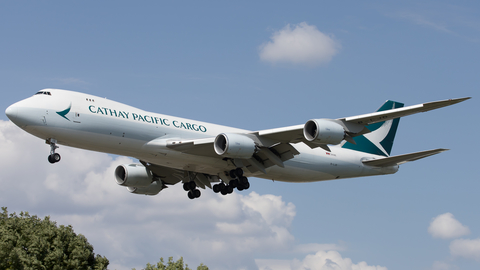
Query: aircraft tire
[[190, 195], [196, 193], [243, 180], [54, 158], [239, 172], [233, 183]]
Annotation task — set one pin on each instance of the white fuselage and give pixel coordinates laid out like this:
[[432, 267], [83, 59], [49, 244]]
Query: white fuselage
[[103, 125]]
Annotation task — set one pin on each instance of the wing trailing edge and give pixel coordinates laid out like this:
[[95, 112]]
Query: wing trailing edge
[[400, 159]]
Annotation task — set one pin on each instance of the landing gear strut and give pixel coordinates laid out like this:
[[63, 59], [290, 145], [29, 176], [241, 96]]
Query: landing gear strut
[[53, 157], [239, 181]]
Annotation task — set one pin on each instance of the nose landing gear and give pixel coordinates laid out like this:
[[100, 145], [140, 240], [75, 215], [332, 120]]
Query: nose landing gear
[[53, 157]]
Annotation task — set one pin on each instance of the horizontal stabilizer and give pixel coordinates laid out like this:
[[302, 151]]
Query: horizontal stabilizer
[[397, 160]]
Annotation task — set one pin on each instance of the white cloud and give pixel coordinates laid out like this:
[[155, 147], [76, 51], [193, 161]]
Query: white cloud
[[223, 232], [313, 247], [423, 21], [437, 265], [322, 260], [466, 248], [446, 226], [303, 44]]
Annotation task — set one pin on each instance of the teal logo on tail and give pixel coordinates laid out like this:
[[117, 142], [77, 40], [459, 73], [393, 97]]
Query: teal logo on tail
[[380, 140]]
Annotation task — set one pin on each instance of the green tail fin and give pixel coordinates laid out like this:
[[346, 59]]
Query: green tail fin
[[380, 140]]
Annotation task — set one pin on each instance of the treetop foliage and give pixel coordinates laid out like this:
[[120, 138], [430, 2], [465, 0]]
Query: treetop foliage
[[172, 265], [28, 242]]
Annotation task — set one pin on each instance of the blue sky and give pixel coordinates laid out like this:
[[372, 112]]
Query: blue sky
[[205, 61]]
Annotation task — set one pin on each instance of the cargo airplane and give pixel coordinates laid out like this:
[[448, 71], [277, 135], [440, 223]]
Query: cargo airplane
[[171, 149]]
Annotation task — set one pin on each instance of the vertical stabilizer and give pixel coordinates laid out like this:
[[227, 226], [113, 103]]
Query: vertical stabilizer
[[380, 140]]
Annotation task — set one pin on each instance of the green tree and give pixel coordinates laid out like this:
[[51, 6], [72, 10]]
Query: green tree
[[172, 265], [28, 242]]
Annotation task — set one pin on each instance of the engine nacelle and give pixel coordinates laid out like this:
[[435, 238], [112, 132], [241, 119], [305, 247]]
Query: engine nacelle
[[133, 175], [234, 145], [153, 189], [323, 131]]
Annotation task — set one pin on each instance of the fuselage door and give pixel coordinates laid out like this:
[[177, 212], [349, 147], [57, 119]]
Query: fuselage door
[[76, 118]]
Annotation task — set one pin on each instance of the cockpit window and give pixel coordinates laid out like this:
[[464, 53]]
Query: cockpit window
[[43, 93]]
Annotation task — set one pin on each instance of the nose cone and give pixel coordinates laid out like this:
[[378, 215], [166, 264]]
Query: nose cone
[[21, 113], [12, 112]]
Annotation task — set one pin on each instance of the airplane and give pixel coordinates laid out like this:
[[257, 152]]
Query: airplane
[[171, 149]]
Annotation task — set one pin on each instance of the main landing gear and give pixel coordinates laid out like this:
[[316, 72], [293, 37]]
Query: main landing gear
[[239, 181], [53, 157], [191, 187]]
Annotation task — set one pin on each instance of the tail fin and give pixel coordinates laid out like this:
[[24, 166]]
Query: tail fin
[[380, 140]]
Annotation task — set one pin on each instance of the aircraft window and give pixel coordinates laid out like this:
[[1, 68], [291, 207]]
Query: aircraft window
[[43, 93]]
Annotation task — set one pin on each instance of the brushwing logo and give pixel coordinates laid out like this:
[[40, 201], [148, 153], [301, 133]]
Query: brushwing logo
[[65, 112], [380, 140], [379, 135]]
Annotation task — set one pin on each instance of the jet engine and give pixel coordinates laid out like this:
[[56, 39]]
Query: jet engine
[[133, 175], [323, 131], [153, 189], [234, 145]]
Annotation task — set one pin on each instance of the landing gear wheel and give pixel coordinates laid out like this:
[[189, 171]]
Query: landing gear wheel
[[185, 186], [246, 185], [216, 188], [239, 172], [243, 180], [189, 185], [190, 194], [196, 193], [54, 158], [233, 183]]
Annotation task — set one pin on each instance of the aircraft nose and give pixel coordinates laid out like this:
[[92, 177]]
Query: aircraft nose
[[12, 112]]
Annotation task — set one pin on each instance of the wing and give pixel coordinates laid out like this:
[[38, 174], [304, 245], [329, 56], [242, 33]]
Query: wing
[[367, 119], [356, 124], [353, 126], [267, 152]]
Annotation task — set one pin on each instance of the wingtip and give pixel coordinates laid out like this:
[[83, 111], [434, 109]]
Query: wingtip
[[460, 99]]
